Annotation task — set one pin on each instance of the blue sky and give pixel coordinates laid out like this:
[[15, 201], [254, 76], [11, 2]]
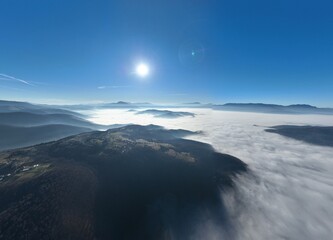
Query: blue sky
[[198, 50]]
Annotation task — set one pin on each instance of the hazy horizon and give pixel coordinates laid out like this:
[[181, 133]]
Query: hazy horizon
[[96, 102]]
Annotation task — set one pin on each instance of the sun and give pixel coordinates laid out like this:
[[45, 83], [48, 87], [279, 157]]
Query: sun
[[142, 70]]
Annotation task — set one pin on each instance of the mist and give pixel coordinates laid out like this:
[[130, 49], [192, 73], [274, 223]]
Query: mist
[[288, 190]]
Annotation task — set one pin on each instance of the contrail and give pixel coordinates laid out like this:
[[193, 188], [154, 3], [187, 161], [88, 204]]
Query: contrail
[[10, 78]]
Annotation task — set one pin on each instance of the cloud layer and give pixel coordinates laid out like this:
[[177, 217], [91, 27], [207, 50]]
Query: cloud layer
[[287, 194]]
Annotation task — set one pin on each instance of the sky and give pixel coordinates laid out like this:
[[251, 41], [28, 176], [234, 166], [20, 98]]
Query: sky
[[61, 51]]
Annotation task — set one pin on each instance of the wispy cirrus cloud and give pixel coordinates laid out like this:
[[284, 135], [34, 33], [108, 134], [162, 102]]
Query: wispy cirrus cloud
[[5, 77]]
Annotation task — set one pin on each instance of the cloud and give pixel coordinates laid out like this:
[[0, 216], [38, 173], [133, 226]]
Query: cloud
[[6, 77], [288, 191]]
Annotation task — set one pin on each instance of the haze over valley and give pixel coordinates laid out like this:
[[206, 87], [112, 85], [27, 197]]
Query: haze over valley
[[166, 120], [285, 171]]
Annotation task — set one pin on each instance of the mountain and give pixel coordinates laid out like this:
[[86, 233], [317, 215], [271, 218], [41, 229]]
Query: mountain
[[22, 129], [122, 104], [119, 104], [273, 108], [33, 119], [23, 124], [26, 119], [166, 113], [317, 135], [134, 182], [15, 137], [14, 106], [193, 103]]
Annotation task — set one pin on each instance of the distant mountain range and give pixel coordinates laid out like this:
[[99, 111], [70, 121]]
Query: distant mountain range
[[27, 119], [273, 108], [10, 106], [24, 124], [14, 106], [14, 137], [166, 113], [240, 107], [119, 104], [122, 104]]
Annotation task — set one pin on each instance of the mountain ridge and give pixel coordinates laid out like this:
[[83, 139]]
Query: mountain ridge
[[134, 182]]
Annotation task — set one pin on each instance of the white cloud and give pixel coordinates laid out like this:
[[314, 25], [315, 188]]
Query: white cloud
[[288, 192]]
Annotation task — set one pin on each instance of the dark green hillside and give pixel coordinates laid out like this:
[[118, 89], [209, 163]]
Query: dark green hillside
[[134, 182]]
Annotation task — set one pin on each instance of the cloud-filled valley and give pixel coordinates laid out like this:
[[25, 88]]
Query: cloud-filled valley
[[288, 191], [285, 193]]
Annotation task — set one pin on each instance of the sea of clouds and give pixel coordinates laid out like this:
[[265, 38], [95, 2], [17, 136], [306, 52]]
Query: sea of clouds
[[288, 192]]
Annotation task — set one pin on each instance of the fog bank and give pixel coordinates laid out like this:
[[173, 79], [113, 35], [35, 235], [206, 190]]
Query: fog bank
[[288, 192]]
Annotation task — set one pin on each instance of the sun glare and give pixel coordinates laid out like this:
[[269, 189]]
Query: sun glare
[[142, 70]]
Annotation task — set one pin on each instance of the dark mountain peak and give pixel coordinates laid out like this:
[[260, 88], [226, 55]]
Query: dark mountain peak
[[306, 106], [123, 103]]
